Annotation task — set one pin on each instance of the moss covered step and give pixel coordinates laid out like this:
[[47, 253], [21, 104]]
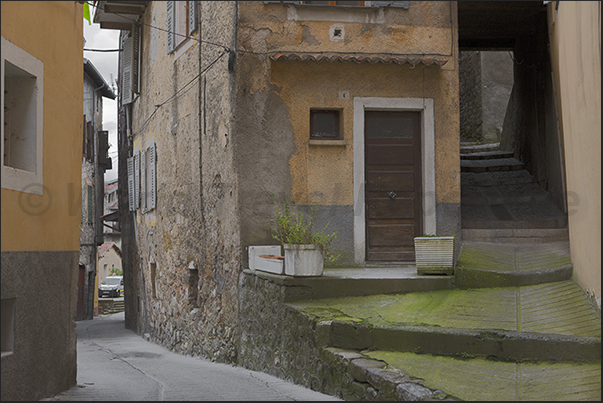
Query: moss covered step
[[544, 322], [484, 264], [480, 379]]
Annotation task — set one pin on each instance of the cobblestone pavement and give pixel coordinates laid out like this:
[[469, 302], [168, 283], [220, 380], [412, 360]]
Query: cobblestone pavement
[[115, 364]]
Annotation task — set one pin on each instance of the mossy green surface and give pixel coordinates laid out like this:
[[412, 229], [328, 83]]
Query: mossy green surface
[[481, 379], [512, 257], [559, 308]]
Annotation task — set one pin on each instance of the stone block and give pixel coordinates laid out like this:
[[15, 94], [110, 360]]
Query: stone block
[[413, 392], [360, 366]]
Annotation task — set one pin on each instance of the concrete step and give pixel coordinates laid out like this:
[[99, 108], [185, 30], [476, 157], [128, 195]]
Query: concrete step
[[496, 178], [495, 211], [487, 155], [480, 379], [495, 264], [468, 148], [521, 235], [502, 194], [351, 282], [544, 322], [491, 165]]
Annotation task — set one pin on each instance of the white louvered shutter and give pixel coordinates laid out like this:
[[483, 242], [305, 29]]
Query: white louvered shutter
[[170, 27], [143, 179], [126, 84], [192, 17], [135, 84], [131, 191], [153, 176], [137, 179]]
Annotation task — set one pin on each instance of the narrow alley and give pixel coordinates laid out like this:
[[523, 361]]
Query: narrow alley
[[115, 364]]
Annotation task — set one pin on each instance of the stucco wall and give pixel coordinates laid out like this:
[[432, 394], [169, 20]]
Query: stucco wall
[[273, 152], [51, 221], [40, 234], [575, 35]]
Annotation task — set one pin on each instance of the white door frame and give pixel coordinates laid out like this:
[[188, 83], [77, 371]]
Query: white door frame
[[426, 107]]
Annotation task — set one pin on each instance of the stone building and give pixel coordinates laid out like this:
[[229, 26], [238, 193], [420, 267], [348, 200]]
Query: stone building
[[351, 109], [94, 164], [213, 135], [41, 163]]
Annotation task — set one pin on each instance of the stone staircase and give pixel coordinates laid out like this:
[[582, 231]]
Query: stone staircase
[[497, 192], [510, 324], [109, 306]]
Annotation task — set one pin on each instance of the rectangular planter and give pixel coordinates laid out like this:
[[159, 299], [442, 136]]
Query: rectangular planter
[[434, 255], [303, 260], [257, 262]]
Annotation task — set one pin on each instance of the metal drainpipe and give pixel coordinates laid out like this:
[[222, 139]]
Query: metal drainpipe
[[202, 121]]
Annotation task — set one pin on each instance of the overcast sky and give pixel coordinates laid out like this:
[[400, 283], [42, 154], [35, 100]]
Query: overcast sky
[[106, 64]]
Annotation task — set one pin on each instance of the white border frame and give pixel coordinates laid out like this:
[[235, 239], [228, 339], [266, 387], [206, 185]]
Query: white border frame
[[12, 178], [426, 107]]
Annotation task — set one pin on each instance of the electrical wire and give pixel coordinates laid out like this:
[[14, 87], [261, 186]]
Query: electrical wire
[[160, 29], [179, 92], [226, 48], [103, 50]]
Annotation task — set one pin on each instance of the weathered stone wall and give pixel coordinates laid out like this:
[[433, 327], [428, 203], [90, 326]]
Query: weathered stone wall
[[278, 340], [187, 264], [470, 95]]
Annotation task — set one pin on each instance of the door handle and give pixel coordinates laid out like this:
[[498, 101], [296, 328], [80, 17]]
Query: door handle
[[392, 195]]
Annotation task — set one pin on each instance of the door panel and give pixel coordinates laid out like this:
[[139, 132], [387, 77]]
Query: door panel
[[393, 184]]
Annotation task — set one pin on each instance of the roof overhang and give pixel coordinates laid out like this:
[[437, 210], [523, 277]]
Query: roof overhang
[[113, 216], [117, 14], [351, 58], [98, 79]]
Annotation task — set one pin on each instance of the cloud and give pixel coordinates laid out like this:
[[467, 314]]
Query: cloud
[[106, 64]]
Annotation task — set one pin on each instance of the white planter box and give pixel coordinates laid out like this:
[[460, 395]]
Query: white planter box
[[303, 260], [256, 262], [434, 255]]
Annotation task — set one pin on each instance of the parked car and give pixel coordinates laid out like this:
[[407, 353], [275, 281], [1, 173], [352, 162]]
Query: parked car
[[111, 286]]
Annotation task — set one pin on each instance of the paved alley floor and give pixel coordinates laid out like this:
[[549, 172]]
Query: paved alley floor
[[115, 364]]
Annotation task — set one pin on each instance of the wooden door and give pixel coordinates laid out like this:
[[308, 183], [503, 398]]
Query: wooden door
[[393, 185]]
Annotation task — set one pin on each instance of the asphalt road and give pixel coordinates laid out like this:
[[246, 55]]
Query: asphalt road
[[115, 364]]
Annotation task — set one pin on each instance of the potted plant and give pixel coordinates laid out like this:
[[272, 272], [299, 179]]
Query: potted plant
[[305, 249], [434, 254]]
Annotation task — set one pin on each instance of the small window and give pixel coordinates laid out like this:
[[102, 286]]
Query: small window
[[181, 22], [324, 124], [8, 326], [22, 97]]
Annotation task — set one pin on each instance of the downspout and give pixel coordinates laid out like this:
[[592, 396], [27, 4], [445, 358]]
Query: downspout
[[202, 124]]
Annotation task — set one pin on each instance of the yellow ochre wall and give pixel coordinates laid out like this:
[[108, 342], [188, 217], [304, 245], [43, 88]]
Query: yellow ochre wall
[[575, 35], [323, 175], [54, 27]]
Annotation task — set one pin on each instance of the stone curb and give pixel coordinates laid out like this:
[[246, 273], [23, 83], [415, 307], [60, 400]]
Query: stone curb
[[377, 382], [498, 344], [478, 277]]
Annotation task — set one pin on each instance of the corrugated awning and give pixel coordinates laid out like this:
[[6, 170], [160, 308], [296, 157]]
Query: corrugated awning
[[331, 58]]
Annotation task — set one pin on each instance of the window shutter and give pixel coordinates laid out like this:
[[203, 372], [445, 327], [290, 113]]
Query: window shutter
[[401, 4], [135, 57], [192, 17], [126, 84], [153, 176], [137, 179], [143, 179], [170, 27], [131, 184]]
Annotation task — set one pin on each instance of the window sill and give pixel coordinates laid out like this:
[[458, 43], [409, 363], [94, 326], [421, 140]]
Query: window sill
[[339, 142]]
